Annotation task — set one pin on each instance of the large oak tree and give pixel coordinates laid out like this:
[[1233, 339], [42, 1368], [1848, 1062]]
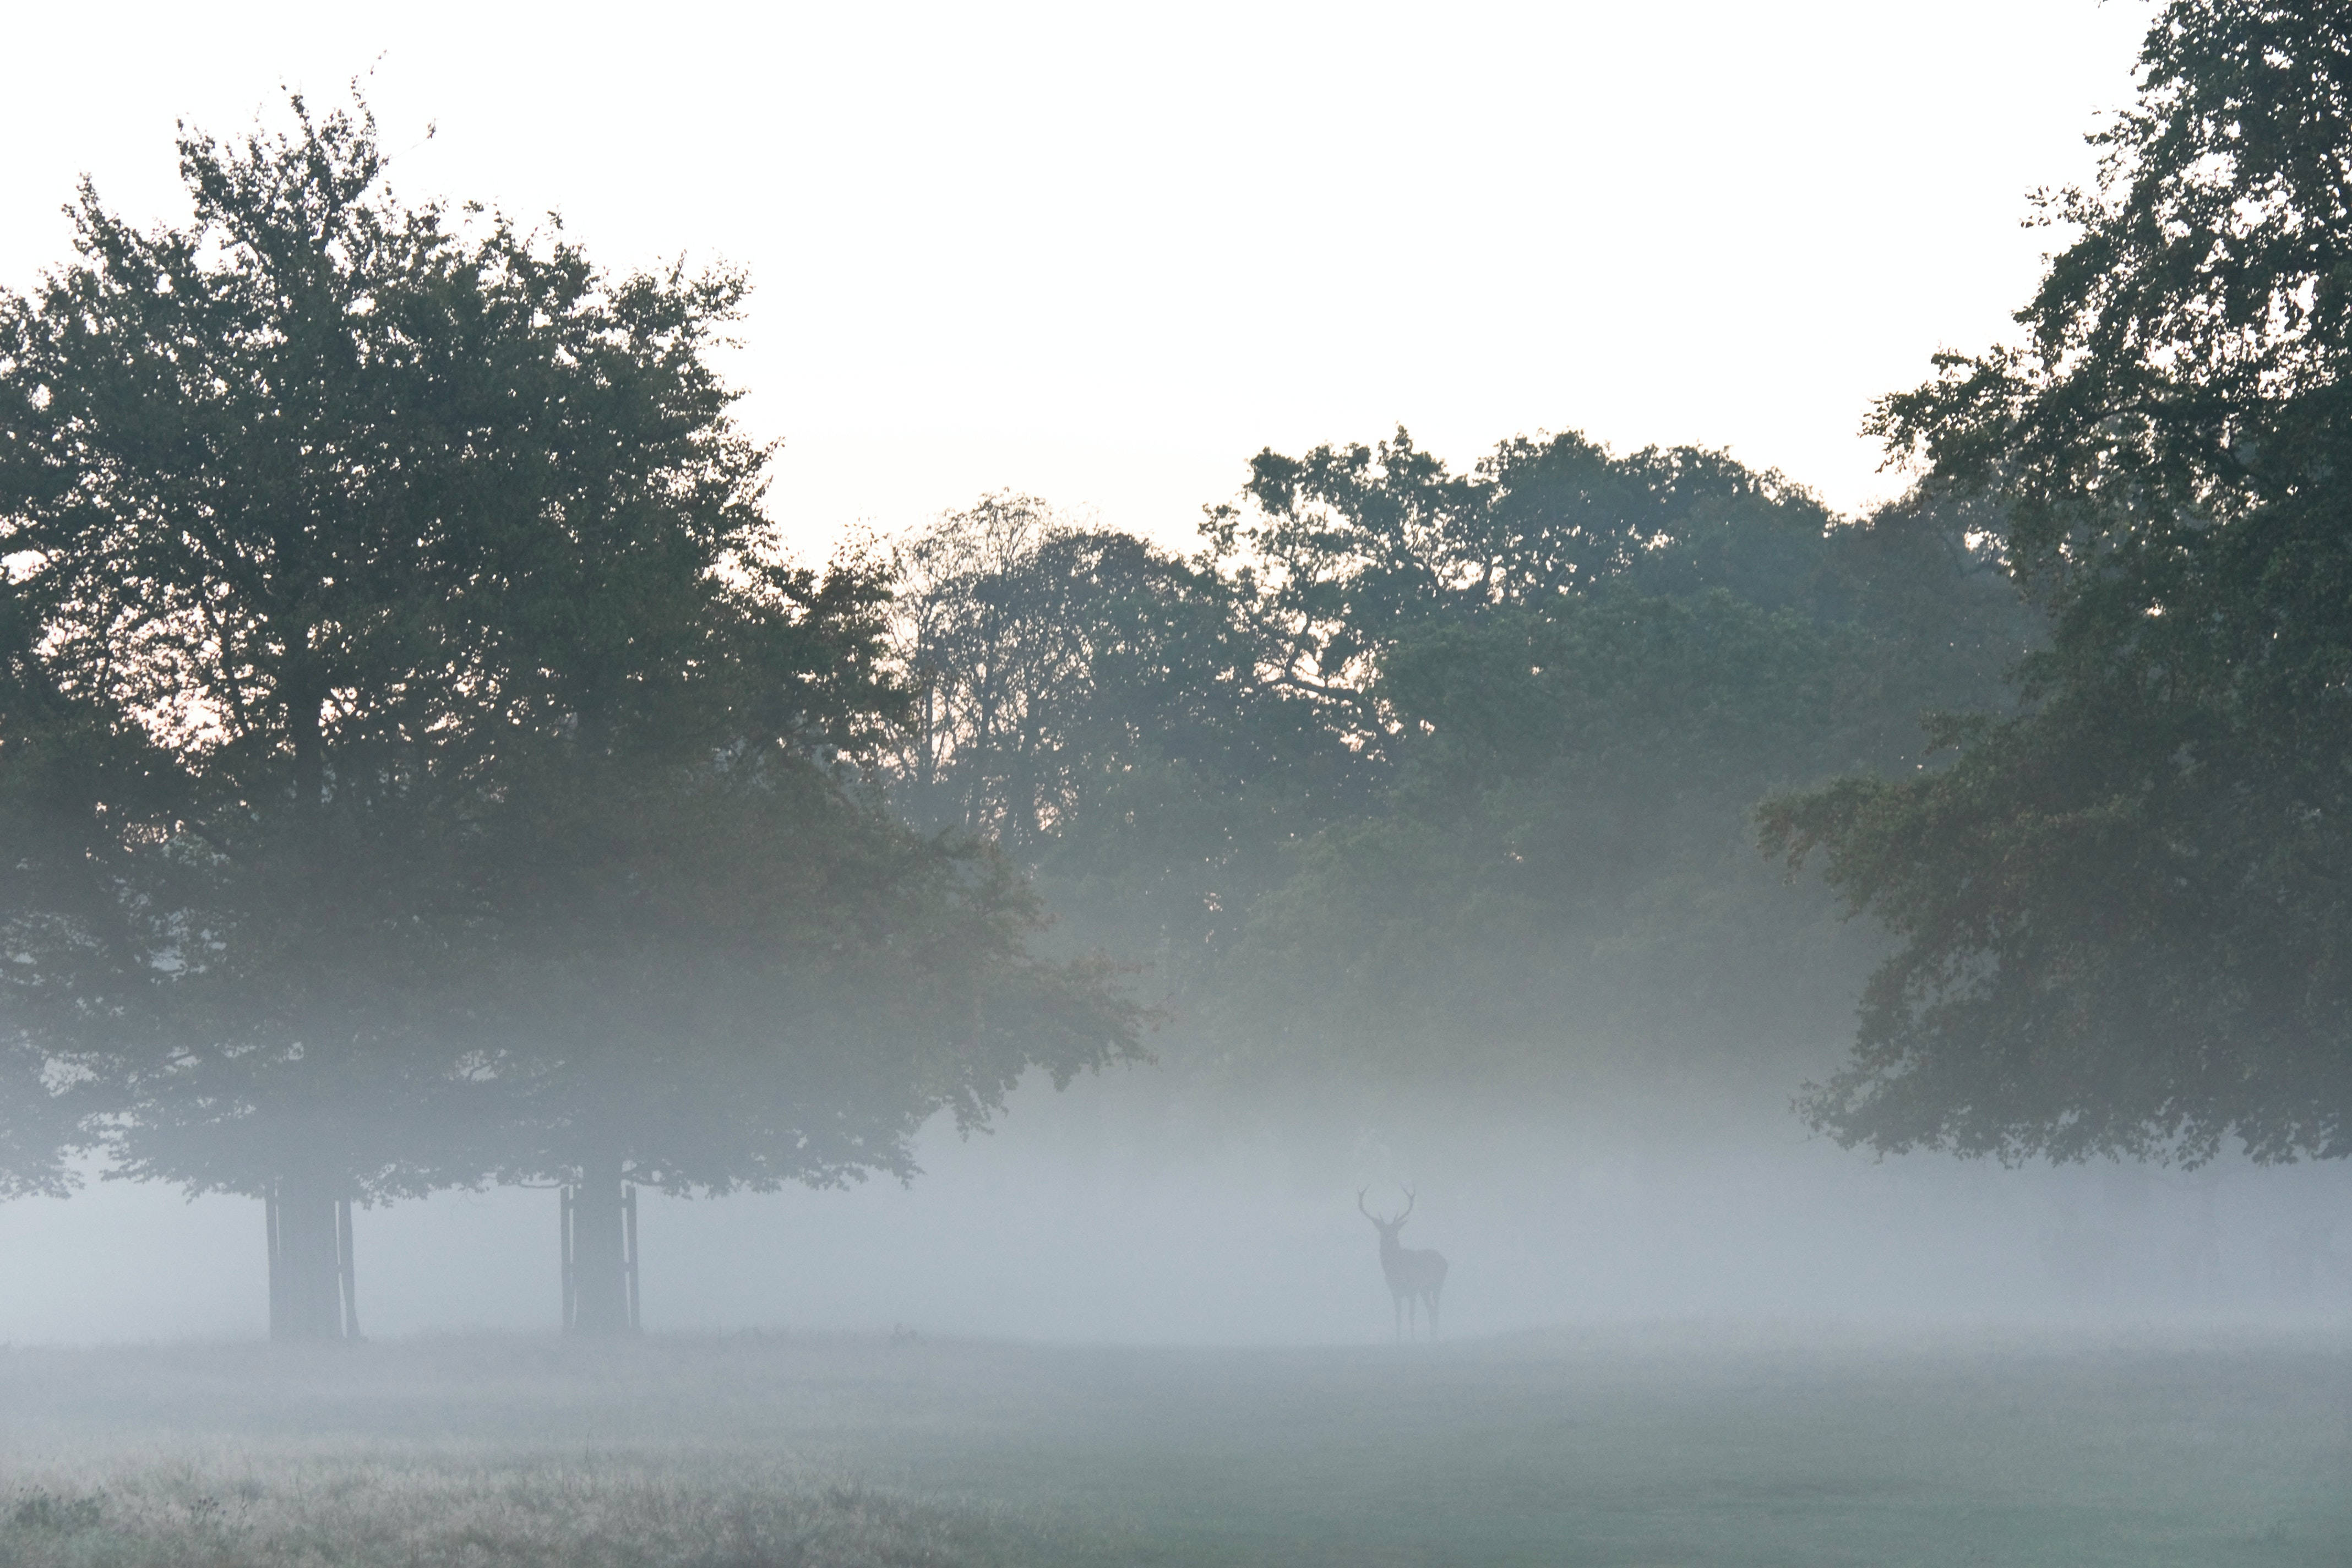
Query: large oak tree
[[418, 764]]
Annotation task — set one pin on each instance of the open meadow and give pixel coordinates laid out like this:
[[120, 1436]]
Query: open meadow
[[1664, 1446]]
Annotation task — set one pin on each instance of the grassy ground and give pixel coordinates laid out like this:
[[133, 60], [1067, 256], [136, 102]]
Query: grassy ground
[[1624, 1447]]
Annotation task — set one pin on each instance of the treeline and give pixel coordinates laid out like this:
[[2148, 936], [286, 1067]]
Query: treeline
[[2073, 726], [420, 766], [1412, 780]]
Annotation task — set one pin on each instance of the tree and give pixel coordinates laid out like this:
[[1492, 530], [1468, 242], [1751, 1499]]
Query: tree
[[59, 759], [1347, 549], [242, 488], [1098, 709], [357, 553], [745, 976], [2120, 913], [1579, 673], [714, 959]]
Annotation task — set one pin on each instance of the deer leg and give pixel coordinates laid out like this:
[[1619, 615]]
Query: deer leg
[[1432, 1314], [1398, 1303]]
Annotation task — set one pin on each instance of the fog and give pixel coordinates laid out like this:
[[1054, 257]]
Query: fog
[[1066, 1225], [1293, 787]]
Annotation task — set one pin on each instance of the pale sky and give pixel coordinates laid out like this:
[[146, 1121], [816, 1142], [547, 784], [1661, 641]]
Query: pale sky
[[1105, 253]]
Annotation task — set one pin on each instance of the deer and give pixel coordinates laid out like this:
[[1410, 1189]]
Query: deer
[[1414, 1274]]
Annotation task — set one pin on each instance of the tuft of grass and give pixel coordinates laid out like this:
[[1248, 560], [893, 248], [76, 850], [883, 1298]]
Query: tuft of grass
[[44, 1512], [1724, 1446], [470, 1510]]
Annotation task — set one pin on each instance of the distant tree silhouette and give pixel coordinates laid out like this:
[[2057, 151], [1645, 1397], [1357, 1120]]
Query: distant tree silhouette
[[1574, 675]]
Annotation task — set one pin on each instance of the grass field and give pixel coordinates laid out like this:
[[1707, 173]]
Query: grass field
[[1624, 1447]]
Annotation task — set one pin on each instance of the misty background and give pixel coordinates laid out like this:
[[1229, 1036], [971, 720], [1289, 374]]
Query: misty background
[[1070, 1222]]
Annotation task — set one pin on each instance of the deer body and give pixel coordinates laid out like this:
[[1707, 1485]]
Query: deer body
[[1415, 1275]]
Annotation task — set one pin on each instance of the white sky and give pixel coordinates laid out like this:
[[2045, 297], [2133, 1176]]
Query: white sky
[[1105, 253]]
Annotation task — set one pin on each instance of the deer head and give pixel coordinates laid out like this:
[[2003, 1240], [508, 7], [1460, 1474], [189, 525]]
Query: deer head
[[1387, 1227]]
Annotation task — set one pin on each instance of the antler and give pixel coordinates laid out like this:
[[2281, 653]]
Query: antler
[[1359, 1204], [1408, 1206]]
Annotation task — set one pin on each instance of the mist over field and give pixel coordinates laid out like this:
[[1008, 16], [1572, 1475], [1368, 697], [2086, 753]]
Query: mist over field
[[1068, 1223]]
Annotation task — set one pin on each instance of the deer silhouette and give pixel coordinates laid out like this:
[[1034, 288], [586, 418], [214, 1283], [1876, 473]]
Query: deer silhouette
[[1415, 1274]]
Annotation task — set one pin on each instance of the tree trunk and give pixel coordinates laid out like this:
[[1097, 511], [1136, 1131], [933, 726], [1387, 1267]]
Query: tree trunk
[[310, 1271], [600, 1251]]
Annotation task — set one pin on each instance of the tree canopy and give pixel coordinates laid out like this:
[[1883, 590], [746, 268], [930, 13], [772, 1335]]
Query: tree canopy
[[1429, 779], [1103, 711], [420, 762], [1577, 673], [2120, 911], [239, 486]]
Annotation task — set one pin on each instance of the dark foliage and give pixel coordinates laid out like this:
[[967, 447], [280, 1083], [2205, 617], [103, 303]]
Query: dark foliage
[[2122, 912], [1422, 775], [418, 765]]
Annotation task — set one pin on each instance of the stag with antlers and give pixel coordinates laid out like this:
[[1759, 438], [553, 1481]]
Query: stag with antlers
[[1415, 1274]]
